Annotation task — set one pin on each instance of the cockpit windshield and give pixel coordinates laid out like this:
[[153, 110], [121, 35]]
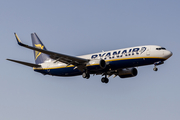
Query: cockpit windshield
[[162, 48]]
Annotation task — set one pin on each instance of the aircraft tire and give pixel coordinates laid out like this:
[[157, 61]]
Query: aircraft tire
[[104, 80], [86, 75], [155, 69]]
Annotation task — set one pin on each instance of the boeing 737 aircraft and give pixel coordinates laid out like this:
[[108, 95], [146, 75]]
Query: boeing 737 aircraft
[[121, 62]]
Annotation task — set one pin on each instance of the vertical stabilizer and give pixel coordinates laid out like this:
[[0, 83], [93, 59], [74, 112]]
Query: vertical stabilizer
[[38, 56]]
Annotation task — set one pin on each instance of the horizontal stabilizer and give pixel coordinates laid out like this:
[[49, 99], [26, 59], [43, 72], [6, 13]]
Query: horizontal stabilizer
[[25, 63]]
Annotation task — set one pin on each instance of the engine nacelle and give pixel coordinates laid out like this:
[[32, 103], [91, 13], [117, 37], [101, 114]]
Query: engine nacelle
[[130, 72], [100, 63]]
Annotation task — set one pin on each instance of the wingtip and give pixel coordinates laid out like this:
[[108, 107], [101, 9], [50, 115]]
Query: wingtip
[[9, 59], [17, 38]]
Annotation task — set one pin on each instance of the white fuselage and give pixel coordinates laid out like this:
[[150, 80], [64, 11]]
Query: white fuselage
[[149, 51]]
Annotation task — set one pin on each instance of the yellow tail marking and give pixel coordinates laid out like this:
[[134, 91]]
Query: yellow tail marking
[[37, 53]]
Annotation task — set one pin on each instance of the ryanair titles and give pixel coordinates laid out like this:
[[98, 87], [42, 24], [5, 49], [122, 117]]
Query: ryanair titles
[[120, 53]]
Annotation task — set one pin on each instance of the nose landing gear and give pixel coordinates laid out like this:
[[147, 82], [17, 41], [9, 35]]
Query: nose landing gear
[[157, 63]]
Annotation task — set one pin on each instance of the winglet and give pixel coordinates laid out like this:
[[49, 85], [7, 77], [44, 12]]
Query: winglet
[[18, 40]]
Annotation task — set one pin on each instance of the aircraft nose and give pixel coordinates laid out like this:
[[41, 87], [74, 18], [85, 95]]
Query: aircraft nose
[[168, 54]]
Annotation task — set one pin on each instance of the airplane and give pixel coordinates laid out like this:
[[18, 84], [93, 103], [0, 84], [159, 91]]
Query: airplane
[[120, 62]]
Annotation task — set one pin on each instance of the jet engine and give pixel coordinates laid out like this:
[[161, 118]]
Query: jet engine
[[130, 72], [99, 64]]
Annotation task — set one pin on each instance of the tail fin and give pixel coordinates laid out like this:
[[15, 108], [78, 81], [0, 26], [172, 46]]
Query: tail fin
[[38, 56]]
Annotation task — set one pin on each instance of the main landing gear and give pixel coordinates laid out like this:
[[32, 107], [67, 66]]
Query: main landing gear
[[104, 80], [86, 75]]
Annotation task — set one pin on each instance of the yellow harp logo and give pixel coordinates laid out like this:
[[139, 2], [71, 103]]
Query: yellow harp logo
[[37, 53]]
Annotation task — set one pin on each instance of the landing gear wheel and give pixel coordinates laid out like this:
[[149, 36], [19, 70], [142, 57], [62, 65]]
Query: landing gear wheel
[[155, 69], [86, 75], [104, 80]]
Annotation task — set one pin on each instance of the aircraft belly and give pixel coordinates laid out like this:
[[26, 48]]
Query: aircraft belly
[[133, 62]]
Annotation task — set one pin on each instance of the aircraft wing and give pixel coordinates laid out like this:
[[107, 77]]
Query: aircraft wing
[[56, 56]]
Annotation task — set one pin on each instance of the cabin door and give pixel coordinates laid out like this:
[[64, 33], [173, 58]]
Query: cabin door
[[148, 52]]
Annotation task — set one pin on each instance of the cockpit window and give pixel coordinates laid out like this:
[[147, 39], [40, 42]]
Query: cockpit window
[[162, 48]]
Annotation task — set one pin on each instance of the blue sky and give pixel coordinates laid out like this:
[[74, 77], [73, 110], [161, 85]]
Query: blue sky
[[81, 27]]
